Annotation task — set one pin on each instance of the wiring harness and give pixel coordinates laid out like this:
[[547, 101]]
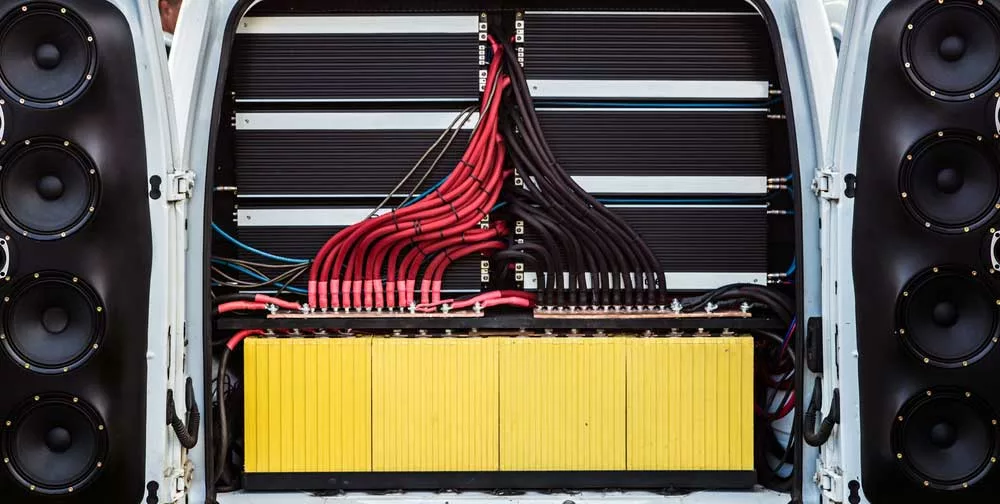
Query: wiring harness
[[443, 226], [608, 264]]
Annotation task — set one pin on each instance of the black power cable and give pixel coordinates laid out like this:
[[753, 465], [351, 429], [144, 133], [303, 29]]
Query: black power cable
[[613, 252]]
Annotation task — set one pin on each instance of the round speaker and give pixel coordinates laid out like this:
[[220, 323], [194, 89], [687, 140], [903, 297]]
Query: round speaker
[[54, 444], [950, 182], [48, 188], [47, 55], [951, 50], [51, 322], [945, 439], [947, 317]]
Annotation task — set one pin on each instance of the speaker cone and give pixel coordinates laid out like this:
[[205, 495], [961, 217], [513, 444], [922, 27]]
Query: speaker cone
[[950, 182], [951, 50], [947, 317], [48, 188], [47, 55], [55, 444], [52, 322], [945, 439]]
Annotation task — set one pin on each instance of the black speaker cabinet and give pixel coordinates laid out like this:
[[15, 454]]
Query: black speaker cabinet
[[927, 286], [75, 255]]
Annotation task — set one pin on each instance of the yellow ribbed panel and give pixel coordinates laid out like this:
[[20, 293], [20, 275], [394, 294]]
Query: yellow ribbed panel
[[435, 404], [308, 405], [690, 404], [562, 404]]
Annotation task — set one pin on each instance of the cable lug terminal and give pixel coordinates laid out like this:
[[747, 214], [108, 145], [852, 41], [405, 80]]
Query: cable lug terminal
[[445, 308], [306, 309], [745, 307], [676, 306], [412, 308], [271, 308], [711, 307]]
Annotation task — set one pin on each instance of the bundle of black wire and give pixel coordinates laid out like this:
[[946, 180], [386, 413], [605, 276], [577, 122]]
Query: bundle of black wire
[[774, 357], [622, 269]]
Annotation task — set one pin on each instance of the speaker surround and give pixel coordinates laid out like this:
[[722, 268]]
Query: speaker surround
[[54, 444], [47, 55], [946, 439], [947, 317], [75, 212], [950, 181], [48, 188], [926, 289], [951, 50], [51, 322]]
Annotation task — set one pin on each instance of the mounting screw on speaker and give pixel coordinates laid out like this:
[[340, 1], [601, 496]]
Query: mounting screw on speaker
[[947, 317], [48, 56], [946, 424], [54, 444], [949, 181], [51, 323], [951, 50], [49, 188]]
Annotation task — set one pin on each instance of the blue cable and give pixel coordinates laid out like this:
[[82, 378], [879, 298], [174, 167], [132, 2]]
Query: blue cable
[[255, 276], [791, 269], [261, 253], [425, 193]]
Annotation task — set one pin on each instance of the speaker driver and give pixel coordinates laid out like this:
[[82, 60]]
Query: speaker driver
[[950, 182], [951, 50], [945, 439], [54, 444], [47, 55], [48, 188], [947, 317], [51, 322]]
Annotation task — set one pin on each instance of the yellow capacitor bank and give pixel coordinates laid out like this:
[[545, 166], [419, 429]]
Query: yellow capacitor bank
[[498, 412]]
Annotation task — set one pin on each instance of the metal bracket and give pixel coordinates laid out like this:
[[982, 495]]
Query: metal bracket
[[180, 186], [830, 483], [5, 257], [825, 185]]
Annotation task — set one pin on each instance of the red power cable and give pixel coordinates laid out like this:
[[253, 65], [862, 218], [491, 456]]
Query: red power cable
[[340, 248]]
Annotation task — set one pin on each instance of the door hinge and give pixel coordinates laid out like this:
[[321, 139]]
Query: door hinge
[[830, 483], [825, 184], [181, 186]]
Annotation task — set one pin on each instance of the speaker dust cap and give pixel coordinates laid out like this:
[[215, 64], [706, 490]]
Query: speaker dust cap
[[951, 49], [47, 55], [950, 181], [945, 439], [51, 322], [54, 444], [947, 317], [49, 188]]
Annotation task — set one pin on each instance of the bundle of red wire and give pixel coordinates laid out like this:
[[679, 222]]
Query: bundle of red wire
[[442, 227]]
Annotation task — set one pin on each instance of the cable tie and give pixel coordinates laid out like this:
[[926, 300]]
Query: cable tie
[[474, 177], [454, 211], [395, 222], [466, 163], [416, 226], [481, 212]]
